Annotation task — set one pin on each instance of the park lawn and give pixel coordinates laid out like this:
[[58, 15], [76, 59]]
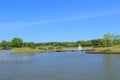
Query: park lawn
[[37, 50], [111, 50], [27, 50]]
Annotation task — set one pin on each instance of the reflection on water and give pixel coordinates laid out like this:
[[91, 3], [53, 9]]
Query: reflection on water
[[16, 58], [109, 68], [112, 66], [59, 66]]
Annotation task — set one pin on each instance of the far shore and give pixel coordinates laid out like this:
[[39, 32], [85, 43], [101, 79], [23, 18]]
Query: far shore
[[36, 50], [104, 50], [88, 50]]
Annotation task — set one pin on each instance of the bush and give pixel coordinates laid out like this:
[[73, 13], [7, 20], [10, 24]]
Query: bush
[[59, 47], [40, 47], [50, 47], [30, 44]]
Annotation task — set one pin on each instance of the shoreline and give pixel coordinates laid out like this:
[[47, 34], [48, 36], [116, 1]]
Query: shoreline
[[88, 50], [36, 50], [104, 50]]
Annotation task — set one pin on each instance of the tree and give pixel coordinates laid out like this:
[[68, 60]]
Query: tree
[[116, 39], [107, 40], [96, 42], [50, 47], [30, 44], [84, 43], [5, 44], [17, 42]]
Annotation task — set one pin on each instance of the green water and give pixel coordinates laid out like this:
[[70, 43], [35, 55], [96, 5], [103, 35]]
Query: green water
[[59, 66]]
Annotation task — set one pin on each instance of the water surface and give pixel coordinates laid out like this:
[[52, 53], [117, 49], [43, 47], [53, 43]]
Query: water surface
[[59, 66]]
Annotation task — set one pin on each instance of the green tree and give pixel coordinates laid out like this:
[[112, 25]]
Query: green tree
[[84, 43], [97, 42], [116, 39], [4, 44], [40, 47], [30, 44], [107, 40], [50, 47], [17, 42]]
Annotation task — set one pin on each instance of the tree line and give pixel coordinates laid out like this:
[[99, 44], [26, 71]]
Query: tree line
[[107, 40]]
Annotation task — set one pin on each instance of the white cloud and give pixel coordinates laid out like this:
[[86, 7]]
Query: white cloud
[[23, 24]]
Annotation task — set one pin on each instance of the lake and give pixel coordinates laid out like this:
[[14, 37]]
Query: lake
[[59, 66]]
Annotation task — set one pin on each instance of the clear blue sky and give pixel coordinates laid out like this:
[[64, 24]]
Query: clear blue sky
[[58, 20]]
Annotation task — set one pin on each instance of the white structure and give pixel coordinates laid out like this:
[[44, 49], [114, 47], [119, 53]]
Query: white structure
[[80, 48]]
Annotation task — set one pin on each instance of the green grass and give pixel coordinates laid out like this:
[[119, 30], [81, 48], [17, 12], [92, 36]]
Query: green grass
[[111, 50], [27, 50], [37, 50]]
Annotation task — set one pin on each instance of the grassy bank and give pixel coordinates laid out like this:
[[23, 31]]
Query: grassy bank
[[27, 50], [105, 50], [97, 50], [36, 50]]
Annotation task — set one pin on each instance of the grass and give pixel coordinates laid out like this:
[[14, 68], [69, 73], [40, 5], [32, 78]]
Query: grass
[[36, 50], [27, 50], [112, 50]]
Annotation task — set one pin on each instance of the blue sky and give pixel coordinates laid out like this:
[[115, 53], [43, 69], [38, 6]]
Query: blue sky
[[58, 20]]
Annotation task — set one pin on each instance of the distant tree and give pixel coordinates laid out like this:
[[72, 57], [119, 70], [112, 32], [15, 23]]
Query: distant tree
[[84, 43], [96, 42], [107, 40], [50, 47], [17, 42], [88, 43], [4, 44], [40, 47], [30, 44], [25, 44], [116, 39]]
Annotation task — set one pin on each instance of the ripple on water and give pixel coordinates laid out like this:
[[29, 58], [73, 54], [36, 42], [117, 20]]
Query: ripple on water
[[59, 66]]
